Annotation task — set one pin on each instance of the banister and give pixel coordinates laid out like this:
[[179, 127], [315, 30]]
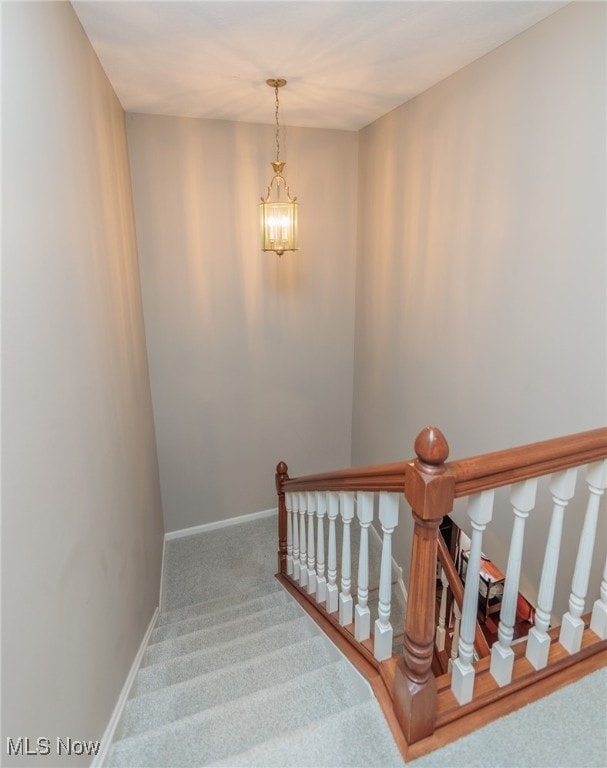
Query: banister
[[472, 475], [378, 477], [491, 470], [430, 485], [456, 586]]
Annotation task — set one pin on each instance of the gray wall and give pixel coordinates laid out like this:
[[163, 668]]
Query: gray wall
[[81, 515], [481, 276], [250, 354]]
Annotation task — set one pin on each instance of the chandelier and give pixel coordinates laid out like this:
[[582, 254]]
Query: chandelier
[[278, 209]]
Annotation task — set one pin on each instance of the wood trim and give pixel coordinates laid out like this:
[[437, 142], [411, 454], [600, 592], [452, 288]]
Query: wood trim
[[491, 711], [486, 690]]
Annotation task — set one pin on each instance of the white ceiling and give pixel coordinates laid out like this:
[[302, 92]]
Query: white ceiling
[[347, 62]]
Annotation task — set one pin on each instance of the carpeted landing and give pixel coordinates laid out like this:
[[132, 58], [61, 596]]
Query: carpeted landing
[[236, 674]]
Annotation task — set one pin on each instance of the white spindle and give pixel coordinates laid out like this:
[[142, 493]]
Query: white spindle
[[362, 615], [289, 508], [562, 488], [321, 582], [522, 498], [457, 620], [441, 630], [346, 504], [598, 622], [388, 517], [332, 512], [480, 511], [295, 527], [311, 497], [572, 627], [303, 554]]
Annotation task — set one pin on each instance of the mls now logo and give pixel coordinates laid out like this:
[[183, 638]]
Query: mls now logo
[[43, 746], [23, 746]]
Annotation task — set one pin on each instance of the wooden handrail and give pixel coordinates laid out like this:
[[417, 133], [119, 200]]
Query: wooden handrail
[[472, 475], [379, 477], [456, 586], [491, 470]]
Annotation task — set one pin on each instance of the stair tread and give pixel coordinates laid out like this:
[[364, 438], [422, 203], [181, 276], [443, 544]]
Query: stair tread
[[175, 646], [207, 620], [159, 707], [239, 724], [214, 604], [221, 655], [358, 735]]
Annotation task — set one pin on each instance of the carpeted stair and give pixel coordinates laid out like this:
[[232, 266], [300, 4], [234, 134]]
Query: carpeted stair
[[248, 679]]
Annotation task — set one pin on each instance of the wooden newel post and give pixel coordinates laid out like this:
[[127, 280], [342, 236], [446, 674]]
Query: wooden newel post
[[282, 475], [429, 489]]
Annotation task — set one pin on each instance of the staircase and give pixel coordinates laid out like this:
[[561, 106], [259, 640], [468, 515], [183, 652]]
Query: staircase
[[247, 679]]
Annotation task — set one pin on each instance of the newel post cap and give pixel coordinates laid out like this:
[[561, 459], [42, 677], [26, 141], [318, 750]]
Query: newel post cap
[[431, 447], [282, 474], [429, 486]]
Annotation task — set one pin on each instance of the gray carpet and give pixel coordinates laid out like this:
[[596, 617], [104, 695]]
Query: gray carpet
[[236, 674]]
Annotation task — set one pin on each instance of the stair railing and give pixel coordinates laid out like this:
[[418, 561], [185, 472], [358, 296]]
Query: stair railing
[[316, 517], [430, 486]]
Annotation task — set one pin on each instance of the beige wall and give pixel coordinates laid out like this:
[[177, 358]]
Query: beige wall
[[250, 354], [81, 516], [481, 277]]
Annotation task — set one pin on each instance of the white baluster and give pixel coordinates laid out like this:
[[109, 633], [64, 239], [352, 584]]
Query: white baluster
[[311, 546], [321, 582], [457, 620], [388, 517], [332, 512], [480, 511], [598, 622], [303, 554], [441, 630], [346, 504], [362, 615], [295, 527], [522, 498], [572, 627], [562, 488], [289, 508]]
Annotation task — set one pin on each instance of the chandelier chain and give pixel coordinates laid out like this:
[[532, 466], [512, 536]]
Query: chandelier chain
[[277, 124]]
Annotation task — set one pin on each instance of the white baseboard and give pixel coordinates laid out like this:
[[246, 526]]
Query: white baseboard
[[106, 740], [219, 524], [164, 543]]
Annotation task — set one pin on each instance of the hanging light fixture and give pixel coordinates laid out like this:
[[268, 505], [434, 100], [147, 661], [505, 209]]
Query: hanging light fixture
[[278, 212]]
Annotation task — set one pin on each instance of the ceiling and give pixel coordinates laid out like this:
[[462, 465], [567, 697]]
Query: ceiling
[[347, 62]]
